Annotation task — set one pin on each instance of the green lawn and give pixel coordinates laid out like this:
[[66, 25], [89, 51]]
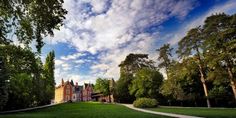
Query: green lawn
[[83, 110], [203, 112]]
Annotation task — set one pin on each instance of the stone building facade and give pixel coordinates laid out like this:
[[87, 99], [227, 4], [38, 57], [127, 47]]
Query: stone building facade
[[67, 91]]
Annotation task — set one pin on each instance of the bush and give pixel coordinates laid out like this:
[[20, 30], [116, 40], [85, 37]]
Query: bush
[[145, 103]]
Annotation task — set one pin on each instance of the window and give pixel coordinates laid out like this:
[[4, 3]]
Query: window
[[67, 91]]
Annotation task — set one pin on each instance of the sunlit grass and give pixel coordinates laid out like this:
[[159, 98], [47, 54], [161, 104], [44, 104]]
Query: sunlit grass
[[203, 112], [83, 110]]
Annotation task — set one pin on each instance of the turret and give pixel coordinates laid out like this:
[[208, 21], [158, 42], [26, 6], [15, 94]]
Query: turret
[[62, 82]]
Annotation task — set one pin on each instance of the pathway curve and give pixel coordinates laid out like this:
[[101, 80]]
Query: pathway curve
[[159, 113]]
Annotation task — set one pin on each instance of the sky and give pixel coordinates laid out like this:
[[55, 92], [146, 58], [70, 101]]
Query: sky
[[98, 34]]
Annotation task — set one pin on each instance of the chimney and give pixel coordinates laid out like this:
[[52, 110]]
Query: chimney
[[62, 82]]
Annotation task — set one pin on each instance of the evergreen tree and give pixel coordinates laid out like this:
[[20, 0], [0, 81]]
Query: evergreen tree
[[220, 44], [128, 69], [164, 57], [49, 68], [192, 44]]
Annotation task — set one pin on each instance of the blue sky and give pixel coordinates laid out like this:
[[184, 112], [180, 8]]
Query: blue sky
[[98, 34]]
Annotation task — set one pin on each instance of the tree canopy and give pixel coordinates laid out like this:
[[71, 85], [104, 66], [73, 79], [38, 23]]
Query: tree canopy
[[30, 20]]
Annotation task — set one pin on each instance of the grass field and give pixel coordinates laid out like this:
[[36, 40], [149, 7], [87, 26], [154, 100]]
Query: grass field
[[83, 110], [203, 112]]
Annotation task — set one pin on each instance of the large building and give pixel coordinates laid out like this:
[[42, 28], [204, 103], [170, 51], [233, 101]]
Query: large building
[[77, 93], [87, 92], [67, 91], [63, 92]]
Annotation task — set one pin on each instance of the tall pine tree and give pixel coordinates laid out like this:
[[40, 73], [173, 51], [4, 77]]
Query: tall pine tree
[[49, 76], [192, 44], [220, 44], [164, 57]]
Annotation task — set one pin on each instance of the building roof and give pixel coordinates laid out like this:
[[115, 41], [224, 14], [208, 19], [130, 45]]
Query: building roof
[[78, 88]]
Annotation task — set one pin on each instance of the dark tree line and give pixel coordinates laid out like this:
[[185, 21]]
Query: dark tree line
[[24, 80]]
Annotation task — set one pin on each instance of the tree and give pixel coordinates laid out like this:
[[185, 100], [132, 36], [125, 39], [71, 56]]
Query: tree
[[3, 83], [30, 20], [128, 69], [103, 86], [23, 69], [49, 68], [221, 90], [190, 44], [21, 91], [164, 57], [146, 83], [171, 87], [27, 21], [220, 43], [184, 83], [134, 62], [122, 90]]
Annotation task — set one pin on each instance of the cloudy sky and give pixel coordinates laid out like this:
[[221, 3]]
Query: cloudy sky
[[98, 34]]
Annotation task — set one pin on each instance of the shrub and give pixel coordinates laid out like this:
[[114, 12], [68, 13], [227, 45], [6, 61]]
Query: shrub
[[145, 103]]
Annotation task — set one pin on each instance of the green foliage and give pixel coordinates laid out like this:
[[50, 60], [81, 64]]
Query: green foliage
[[28, 85], [134, 62], [20, 91], [103, 86], [146, 83], [164, 57], [3, 83], [49, 81], [128, 68], [220, 44], [30, 20], [207, 53], [121, 93], [191, 43], [145, 103], [184, 83]]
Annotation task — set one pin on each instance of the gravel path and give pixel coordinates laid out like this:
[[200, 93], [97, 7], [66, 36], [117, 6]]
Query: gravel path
[[159, 113]]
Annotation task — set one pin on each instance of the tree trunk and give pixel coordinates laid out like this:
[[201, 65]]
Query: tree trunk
[[203, 78], [204, 86], [167, 74], [232, 82]]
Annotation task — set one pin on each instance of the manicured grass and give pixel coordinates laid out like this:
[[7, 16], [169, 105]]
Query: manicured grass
[[83, 110], [203, 112]]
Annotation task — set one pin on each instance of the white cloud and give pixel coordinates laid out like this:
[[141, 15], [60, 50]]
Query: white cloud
[[112, 30], [79, 61], [73, 56], [58, 62], [118, 25]]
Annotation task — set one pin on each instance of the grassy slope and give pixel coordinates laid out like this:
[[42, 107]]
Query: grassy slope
[[204, 112], [83, 110]]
